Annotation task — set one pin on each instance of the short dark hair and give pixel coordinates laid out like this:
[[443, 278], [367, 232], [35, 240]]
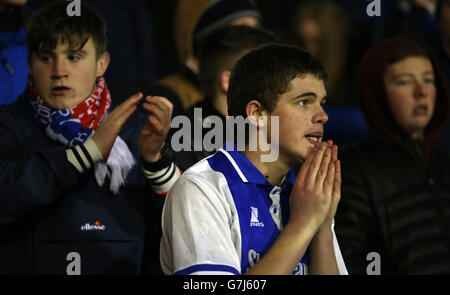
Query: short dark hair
[[264, 74], [405, 49], [52, 24], [221, 49]]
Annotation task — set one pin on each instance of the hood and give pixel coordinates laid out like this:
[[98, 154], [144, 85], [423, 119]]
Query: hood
[[373, 98]]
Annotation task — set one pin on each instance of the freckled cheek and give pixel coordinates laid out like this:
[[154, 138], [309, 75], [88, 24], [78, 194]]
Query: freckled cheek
[[400, 102], [293, 128], [398, 94], [286, 126]]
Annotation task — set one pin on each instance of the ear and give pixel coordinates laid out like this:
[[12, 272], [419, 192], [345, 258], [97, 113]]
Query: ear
[[102, 63], [255, 113], [224, 80]]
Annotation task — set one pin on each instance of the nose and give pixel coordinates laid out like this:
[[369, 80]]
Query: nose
[[421, 90], [59, 69], [320, 116]]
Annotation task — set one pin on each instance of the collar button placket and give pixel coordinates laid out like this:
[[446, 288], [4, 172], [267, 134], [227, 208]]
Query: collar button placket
[[275, 209]]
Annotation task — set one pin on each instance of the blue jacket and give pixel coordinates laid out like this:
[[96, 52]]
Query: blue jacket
[[49, 210], [13, 67]]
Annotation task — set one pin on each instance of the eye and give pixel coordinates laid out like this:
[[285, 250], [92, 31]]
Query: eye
[[44, 58], [74, 57], [303, 102], [403, 82], [429, 80], [324, 101]]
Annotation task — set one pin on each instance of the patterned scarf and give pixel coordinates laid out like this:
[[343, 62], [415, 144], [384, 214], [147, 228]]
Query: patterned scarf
[[73, 126]]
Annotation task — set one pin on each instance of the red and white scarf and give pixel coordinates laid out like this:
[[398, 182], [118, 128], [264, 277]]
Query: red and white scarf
[[73, 126]]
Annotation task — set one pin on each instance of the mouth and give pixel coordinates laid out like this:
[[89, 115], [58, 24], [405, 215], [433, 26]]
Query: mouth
[[420, 110], [314, 138], [60, 90]]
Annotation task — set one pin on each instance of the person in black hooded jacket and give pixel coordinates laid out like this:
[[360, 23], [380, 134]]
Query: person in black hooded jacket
[[396, 185]]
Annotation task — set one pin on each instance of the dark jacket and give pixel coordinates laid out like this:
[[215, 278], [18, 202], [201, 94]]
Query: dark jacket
[[48, 209], [182, 89], [395, 190]]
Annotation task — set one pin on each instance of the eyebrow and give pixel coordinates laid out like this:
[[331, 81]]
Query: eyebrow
[[306, 94], [82, 51], [76, 51], [409, 74]]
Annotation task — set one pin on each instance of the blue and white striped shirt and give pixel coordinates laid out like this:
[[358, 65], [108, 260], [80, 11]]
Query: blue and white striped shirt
[[222, 216]]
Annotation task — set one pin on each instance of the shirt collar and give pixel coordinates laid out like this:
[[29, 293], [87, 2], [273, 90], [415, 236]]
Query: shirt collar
[[247, 171]]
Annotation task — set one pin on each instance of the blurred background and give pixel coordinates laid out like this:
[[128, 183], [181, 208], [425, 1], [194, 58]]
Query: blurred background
[[144, 43]]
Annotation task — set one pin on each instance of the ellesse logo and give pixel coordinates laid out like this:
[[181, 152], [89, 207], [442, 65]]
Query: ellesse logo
[[96, 226]]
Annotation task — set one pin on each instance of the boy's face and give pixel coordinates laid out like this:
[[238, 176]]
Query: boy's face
[[309, 32], [301, 118], [411, 93], [66, 77]]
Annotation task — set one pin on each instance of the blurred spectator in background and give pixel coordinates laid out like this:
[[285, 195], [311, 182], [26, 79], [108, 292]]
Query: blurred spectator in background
[[193, 20], [439, 40], [278, 16], [322, 28], [396, 185], [183, 85], [218, 53], [130, 44], [13, 51]]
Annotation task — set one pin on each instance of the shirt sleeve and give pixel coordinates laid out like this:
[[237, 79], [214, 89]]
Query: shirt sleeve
[[197, 230], [337, 253], [162, 180]]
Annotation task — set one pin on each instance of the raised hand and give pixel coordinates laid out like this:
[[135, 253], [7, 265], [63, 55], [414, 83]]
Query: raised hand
[[154, 133], [336, 193], [112, 124], [312, 197]]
